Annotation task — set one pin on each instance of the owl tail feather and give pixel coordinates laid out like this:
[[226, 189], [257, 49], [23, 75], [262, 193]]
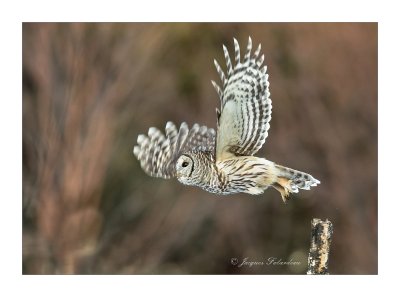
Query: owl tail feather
[[290, 181]]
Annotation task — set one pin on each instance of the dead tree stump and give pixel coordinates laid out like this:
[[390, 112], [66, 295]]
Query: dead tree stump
[[321, 237]]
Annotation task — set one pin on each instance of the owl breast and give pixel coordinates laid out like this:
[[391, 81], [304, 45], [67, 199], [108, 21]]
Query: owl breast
[[246, 174]]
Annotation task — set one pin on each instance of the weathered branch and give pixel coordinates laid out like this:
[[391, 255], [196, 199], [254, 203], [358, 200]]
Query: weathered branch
[[321, 237]]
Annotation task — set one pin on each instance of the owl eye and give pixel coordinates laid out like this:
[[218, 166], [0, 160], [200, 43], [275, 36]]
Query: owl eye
[[185, 164]]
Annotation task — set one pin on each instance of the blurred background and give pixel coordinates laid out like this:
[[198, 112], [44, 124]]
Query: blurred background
[[90, 89]]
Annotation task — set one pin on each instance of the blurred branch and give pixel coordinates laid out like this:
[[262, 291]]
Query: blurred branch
[[321, 237], [74, 90]]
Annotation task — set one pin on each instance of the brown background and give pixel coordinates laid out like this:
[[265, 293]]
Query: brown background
[[90, 89]]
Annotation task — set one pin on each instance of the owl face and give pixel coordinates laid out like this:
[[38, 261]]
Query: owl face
[[184, 169]]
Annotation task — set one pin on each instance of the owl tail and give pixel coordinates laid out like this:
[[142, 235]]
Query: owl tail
[[290, 181]]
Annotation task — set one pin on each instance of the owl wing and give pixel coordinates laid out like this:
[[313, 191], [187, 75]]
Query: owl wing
[[245, 104], [158, 153]]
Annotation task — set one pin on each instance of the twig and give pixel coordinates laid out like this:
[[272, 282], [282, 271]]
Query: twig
[[321, 237]]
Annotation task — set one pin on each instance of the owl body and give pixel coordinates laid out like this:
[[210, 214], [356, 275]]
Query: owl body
[[223, 162], [242, 174], [247, 174]]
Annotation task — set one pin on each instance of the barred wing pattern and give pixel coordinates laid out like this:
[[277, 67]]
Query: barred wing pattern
[[245, 104], [158, 153]]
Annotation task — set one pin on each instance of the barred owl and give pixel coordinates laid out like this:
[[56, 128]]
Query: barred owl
[[223, 162]]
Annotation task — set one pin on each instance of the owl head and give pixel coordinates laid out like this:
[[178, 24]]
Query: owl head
[[185, 167]]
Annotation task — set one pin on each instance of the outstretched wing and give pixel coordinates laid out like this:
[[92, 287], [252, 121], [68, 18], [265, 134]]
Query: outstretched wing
[[245, 104], [158, 153]]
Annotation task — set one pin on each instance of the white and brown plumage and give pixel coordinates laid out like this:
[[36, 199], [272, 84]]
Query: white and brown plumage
[[224, 162]]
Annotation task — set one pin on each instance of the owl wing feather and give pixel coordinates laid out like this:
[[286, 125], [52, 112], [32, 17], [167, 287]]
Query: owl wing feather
[[158, 153], [246, 108]]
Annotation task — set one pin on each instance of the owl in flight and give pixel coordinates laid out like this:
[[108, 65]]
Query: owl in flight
[[223, 162]]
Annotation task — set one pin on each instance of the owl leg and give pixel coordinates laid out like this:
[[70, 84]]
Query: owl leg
[[282, 185], [290, 181]]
